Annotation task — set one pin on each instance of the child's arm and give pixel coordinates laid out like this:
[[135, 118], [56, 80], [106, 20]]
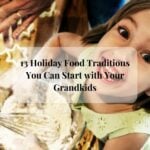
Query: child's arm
[[133, 141], [59, 41], [52, 48]]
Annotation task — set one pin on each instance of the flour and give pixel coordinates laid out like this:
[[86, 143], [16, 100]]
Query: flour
[[47, 114]]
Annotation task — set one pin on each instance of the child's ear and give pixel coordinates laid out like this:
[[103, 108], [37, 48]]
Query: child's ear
[[147, 92]]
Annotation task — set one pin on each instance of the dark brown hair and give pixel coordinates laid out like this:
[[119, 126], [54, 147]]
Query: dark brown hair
[[130, 8], [98, 32]]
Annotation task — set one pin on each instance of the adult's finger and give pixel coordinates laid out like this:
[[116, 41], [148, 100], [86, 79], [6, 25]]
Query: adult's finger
[[7, 37], [4, 25], [23, 26], [3, 2], [11, 7]]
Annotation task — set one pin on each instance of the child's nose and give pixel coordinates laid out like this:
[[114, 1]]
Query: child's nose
[[140, 44]]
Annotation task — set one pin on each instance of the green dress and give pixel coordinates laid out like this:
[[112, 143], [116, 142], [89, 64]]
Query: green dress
[[109, 126]]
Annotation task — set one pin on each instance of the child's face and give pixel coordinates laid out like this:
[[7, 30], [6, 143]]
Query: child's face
[[133, 31]]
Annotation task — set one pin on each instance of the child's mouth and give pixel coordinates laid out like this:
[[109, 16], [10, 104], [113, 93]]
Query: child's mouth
[[112, 74]]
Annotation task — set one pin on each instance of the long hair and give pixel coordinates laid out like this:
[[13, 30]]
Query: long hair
[[98, 32], [130, 8]]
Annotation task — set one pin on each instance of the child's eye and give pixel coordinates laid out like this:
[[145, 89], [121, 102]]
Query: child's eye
[[123, 32], [146, 57]]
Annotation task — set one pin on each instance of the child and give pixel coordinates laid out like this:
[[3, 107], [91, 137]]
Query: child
[[124, 29], [120, 126]]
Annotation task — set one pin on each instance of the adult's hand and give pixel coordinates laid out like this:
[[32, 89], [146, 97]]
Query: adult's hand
[[13, 10]]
